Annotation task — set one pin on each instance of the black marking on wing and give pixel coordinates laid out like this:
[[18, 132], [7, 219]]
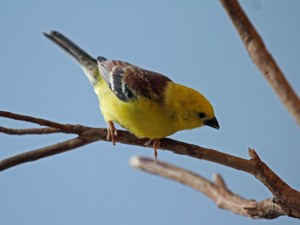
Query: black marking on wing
[[117, 84], [128, 81]]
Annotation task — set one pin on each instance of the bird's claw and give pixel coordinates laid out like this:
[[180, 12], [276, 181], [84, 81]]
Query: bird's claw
[[156, 145], [112, 133]]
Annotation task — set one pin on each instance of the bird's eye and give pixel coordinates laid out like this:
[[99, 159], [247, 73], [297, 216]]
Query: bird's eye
[[201, 115]]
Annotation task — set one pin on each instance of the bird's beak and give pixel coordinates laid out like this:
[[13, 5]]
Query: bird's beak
[[213, 122]]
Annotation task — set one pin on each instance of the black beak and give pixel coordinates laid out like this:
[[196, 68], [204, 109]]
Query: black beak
[[213, 122]]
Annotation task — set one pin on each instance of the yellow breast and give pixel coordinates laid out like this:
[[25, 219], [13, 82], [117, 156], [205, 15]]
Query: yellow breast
[[151, 119], [142, 117]]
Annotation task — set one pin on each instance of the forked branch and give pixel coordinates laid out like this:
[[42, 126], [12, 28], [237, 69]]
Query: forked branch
[[217, 191], [285, 201], [284, 197]]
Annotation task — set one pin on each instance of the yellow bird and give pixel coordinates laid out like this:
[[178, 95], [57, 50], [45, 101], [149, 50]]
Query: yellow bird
[[146, 103]]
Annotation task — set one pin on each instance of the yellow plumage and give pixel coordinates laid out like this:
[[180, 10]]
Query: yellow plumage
[[146, 103], [148, 119]]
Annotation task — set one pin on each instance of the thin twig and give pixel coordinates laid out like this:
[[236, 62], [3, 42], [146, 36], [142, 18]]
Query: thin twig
[[44, 130], [66, 128], [262, 58], [217, 192], [88, 137], [219, 181]]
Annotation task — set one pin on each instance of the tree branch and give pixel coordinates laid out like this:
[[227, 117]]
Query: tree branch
[[283, 195], [262, 58], [217, 191], [42, 153], [45, 130], [66, 128]]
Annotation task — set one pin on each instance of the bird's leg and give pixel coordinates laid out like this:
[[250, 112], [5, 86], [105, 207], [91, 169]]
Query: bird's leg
[[112, 132], [155, 144]]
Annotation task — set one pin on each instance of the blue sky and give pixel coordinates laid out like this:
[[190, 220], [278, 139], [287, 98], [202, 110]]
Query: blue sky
[[194, 43]]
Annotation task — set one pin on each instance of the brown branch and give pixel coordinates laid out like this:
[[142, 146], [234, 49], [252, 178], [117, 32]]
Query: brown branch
[[217, 191], [262, 58], [90, 135], [66, 128], [283, 194], [42, 153], [44, 130]]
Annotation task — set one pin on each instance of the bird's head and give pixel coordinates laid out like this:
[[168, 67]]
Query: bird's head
[[190, 108]]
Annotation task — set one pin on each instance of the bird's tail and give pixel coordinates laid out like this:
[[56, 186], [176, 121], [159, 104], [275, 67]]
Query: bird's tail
[[88, 64]]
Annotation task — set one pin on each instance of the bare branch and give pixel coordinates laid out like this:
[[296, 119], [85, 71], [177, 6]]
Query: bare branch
[[44, 130], [262, 58], [219, 181], [284, 195], [217, 192], [66, 128], [91, 135]]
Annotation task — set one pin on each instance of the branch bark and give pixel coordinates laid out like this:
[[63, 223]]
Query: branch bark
[[262, 58], [217, 191], [283, 195], [45, 130]]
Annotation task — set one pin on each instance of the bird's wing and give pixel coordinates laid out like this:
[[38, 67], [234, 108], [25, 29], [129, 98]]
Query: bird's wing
[[129, 82]]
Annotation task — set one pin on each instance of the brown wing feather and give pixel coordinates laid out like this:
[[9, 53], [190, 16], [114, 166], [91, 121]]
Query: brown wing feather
[[128, 82]]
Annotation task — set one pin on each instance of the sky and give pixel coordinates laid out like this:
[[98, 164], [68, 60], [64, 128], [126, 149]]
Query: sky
[[192, 42]]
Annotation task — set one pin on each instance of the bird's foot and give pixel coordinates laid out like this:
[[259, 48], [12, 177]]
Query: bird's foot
[[155, 144], [112, 133]]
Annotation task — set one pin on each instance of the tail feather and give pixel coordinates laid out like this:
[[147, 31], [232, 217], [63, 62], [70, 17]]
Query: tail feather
[[88, 64]]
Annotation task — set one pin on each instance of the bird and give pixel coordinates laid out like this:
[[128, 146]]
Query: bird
[[146, 103]]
